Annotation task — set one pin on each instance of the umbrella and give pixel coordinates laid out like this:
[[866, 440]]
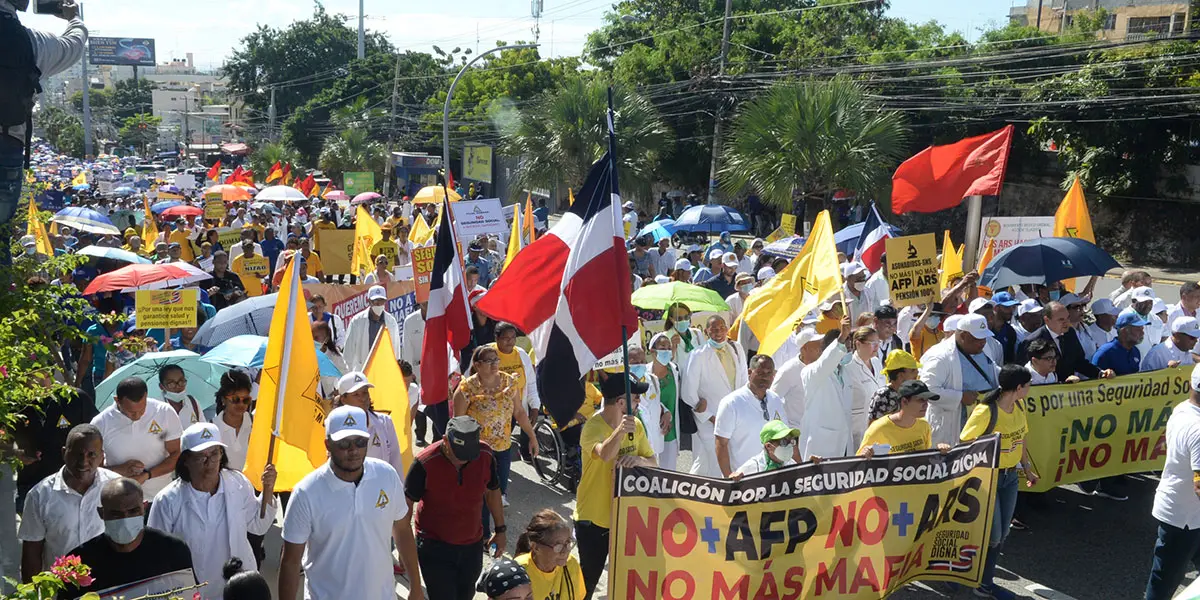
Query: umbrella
[[203, 378], [266, 206], [114, 253], [284, 193], [1045, 260], [661, 230], [365, 197], [433, 194], [170, 188], [710, 217], [124, 191], [336, 195], [227, 192], [159, 207], [183, 211], [788, 247], [696, 298], [846, 239], [252, 316], [85, 219], [81, 187], [250, 351], [147, 277]]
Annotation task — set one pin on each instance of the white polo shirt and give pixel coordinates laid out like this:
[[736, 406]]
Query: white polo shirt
[[237, 443], [59, 516], [1175, 501], [144, 439], [740, 419], [348, 531], [1163, 353]]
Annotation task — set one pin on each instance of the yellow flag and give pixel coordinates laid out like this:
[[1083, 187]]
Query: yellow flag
[[812, 277], [35, 228], [391, 392], [328, 188], [951, 262], [988, 254], [530, 231], [1072, 220], [570, 197], [420, 232], [366, 233], [514, 239], [80, 179], [289, 405], [149, 227]]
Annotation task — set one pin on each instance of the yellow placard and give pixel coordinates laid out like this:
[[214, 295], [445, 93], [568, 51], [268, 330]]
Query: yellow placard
[[787, 222], [1098, 428], [477, 163], [229, 237], [166, 309], [335, 249], [776, 235], [214, 210], [912, 269], [852, 529]]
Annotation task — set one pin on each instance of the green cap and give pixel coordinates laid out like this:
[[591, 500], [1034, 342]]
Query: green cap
[[776, 430]]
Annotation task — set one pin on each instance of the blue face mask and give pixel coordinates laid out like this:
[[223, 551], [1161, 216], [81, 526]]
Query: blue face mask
[[682, 326], [638, 371], [663, 356], [1055, 294], [715, 343]]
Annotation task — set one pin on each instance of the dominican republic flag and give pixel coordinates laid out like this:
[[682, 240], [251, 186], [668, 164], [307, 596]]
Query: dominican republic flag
[[872, 240], [447, 316], [570, 290]]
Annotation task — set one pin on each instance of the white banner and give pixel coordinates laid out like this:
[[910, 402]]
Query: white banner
[[185, 181], [1007, 232], [477, 217]]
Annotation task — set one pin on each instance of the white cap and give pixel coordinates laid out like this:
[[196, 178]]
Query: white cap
[[200, 436], [683, 264], [1188, 325], [979, 303], [951, 323], [976, 325], [1104, 306], [662, 279], [1142, 294], [352, 382], [628, 204], [28, 241], [693, 248], [852, 268], [1070, 299], [1159, 306], [1028, 305], [376, 293], [345, 421], [806, 335], [730, 260], [713, 254], [828, 304], [765, 273]]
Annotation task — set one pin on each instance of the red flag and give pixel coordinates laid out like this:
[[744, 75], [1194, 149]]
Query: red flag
[[449, 178], [939, 177], [447, 320], [275, 172], [287, 175], [215, 171], [248, 177], [236, 175], [308, 185]]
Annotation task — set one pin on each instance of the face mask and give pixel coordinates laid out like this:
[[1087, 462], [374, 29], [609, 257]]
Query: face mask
[[857, 286], [123, 531], [932, 322], [715, 343], [1055, 294], [746, 289], [638, 371], [682, 326], [31, 250], [781, 453], [176, 397], [377, 310], [663, 356]]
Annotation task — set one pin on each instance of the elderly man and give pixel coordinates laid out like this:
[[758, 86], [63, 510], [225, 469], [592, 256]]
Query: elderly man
[[1142, 301], [825, 426], [1101, 332], [1130, 280], [1177, 350], [1057, 328], [743, 413], [365, 328], [858, 300], [713, 371], [957, 370], [141, 436], [788, 383], [1029, 319]]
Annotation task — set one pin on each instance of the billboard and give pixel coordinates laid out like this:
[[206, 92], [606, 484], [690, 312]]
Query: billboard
[[133, 52], [477, 163], [357, 182]]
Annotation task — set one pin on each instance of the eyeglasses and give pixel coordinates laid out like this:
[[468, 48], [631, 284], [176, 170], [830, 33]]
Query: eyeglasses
[[561, 547], [206, 457], [490, 361], [766, 414], [354, 442], [1049, 357], [237, 400], [175, 382]]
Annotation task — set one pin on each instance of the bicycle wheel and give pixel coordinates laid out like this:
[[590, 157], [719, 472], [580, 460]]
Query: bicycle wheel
[[549, 460]]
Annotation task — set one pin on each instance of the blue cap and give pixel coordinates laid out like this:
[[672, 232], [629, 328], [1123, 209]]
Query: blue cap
[[1131, 318], [1004, 299]]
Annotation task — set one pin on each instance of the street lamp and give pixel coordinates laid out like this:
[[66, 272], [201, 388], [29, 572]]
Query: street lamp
[[450, 95]]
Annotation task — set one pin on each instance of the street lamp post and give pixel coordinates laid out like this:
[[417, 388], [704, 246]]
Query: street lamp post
[[450, 95], [362, 34]]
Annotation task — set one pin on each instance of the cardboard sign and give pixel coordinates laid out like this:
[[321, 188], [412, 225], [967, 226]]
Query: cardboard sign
[[214, 210], [185, 181], [1007, 232], [787, 222], [104, 187], [912, 269], [166, 309], [334, 249], [422, 264], [474, 218], [776, 235]]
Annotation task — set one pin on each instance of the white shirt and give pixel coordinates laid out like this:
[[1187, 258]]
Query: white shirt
[[758, 464], [384, 445], [663, 263], [188, 414], [631, 224], [1154, 333], [740, 419], [57, 515], [237, 442], [1038, 379], [862, 380], [411, 337], [1175, 311], [746, 265], [1163, 353], [1175, 500], [144, 439], [877, 289], [787, 386], [736, 304], [348, 531], [1092, 337]]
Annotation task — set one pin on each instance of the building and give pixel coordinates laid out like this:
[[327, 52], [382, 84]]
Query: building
[[1129, 20]]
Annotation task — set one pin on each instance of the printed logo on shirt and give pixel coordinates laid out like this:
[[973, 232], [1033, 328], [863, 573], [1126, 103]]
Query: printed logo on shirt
[[63, 423], [375, 441], [154, 427], [383, 500]]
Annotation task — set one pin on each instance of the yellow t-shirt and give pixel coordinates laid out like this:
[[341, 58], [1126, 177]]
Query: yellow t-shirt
[[251, 271], [314, 264], [180, 237], [593, 498], [1012, 428], [395, 222], [885, 431], [923, 340], [389, 249], [565, 583], [511, 363]]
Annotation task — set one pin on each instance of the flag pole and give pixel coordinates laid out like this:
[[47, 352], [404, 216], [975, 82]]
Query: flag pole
[[974, 222], [612, 178], [281, 391]]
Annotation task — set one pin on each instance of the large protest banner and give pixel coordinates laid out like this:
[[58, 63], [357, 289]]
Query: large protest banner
[[1093, 429], [846, 528]]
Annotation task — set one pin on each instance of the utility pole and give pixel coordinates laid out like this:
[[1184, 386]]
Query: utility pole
[[1039, 16], [271, 116], [717, 141], [87, 105], [387, 168], [362, 36]]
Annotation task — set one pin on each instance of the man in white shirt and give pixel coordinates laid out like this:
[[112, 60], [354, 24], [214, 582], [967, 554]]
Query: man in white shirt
[[141, 437], [742, 414], [366, 326], [1130, 280], [1177, 350], [713, 371], [61, 510], [779, 443], [1189, 302], [787, 384], [876, 289], [1143, 302], [744, 284], [857, 300], [663, 257], [1177, 499], [341, 519], [1029, 318], [1101, 332], [745, 263], [630, 220]]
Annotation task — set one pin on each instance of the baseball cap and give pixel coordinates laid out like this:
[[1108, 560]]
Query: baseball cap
[[900, 359], [693, 248], [979, 303], [28, 241], [627, 204], [683, 264], [828, 304], [729, 259], [346, 421], [1104, 306], [917, 388], [1188, 325], [776, 430], [1130, 318], [808, 334], [1004, 299], [976, 325], [377, 293], [1142, 294], [852, 268], [662, 279], [1027, 306], [475, 246], [352, 382], [765, 273], [462, 435], [1159, 306], [951, 323], [714, 254], [613, 386], [1070, 299], [201, 436]]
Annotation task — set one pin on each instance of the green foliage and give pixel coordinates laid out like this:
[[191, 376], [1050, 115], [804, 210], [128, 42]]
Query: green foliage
[[130, 97], [139, 130], [352, 149], [265, 156], [63, 130]]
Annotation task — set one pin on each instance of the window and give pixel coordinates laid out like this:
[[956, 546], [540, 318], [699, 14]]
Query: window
[[1110, 21], [1177, 22], [1159, 25]]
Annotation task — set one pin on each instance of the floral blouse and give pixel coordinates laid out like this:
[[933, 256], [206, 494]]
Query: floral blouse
[[493, 410]]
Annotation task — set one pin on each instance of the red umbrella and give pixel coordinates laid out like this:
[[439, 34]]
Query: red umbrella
[[183, 210], [146, 277]]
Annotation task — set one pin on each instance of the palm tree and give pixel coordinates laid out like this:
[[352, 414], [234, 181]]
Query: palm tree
[[806, 140], [352, 149], [565, 130], [265, 156]]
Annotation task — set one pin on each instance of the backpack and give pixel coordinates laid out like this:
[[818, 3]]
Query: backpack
[[20, 74]]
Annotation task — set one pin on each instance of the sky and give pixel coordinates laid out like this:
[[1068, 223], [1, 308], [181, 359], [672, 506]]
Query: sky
[[210, 30]]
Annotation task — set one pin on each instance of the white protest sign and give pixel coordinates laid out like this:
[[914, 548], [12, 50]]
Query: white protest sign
[[185, 181], [104, 187], [1007, 232], [474, 218]]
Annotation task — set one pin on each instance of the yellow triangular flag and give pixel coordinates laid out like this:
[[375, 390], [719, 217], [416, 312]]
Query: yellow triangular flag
[[1072, 220], [530, 229], [289, 403], [514, 239], [35, 228], [366, 233], [392, 397], [812, 277], [951, 262], [79, 179], [149, 228], [570, 197], [420, 232]]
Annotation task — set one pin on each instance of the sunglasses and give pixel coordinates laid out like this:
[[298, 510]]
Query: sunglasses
[[237, 400], [354, 442]]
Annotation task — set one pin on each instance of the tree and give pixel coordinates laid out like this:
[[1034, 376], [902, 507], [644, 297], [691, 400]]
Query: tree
[[266, 155], [130, 97], [565, 130], [804, 140], [63, 130], [353, 149], [140, 131]]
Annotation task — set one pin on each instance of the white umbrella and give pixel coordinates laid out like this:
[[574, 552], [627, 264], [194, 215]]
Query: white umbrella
[[115, 254], [281, 193]]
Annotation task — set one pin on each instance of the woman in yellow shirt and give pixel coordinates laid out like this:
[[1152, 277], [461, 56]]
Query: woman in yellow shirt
[[905, 430], [544, 549], [1000, 413]]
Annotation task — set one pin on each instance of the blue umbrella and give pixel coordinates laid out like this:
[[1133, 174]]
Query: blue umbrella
[[788, 247], [81, 187], [85, 219], [115, 254], [661, 230], [124, 191], [251, 350], [158, 207], [1047, 260], [169, 188], [142, 184], [203, 378], [710, 218], [846, 239]]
